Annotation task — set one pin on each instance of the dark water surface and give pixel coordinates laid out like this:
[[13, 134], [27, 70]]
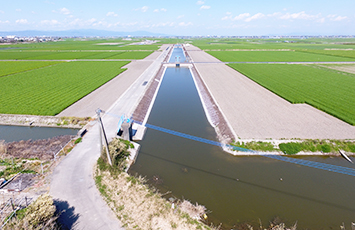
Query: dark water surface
[[17, 133], [236, 189]]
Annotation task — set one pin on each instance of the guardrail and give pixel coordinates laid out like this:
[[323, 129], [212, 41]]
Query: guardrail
[[11, 207]]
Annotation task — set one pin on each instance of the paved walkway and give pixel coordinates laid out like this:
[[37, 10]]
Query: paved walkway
[[256, 113], [72, 181]]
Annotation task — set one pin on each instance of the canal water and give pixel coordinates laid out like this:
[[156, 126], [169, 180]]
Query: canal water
[[235, 189], [18, 133]]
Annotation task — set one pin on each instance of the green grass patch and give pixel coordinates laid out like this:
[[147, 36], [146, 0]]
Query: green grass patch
[[328, 91], [308, 145], [290, 148], [77, 141], [50, 90], [256, 145], [12, 67]]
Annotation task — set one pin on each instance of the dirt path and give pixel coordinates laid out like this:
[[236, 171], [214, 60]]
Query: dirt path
[[255, 112]]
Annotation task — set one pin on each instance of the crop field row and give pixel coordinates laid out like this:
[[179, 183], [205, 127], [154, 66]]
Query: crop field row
[[295, 44], [338, 53], [328, 91], [275, 56], [47, 91], [23, 55], [85, 45], [11, 67]]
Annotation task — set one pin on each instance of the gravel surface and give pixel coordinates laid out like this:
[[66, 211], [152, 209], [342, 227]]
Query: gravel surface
[[255, 112]]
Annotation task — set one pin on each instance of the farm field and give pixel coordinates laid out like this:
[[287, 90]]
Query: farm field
[[350, 53], [275, 56], [47, 87], [60, 55], [255, 44], [324, 89], [343, 68], [95, 44], [11, 67], [47, 91]]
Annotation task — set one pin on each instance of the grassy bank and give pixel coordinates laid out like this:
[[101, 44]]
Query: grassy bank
[[137, 205], [296, 146]]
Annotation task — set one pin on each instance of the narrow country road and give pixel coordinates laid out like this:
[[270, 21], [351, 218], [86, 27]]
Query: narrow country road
[[72, 183]]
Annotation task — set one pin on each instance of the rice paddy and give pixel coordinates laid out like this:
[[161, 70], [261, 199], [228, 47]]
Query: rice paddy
[[47, 91]]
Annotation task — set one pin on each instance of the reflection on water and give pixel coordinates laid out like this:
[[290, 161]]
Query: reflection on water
[[236, 189], [17, 133]]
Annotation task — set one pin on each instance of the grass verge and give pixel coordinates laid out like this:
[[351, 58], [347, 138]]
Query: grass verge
[[324, 146], [136, 204]]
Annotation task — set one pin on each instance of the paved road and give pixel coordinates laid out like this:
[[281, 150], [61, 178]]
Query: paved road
[[72, 181]]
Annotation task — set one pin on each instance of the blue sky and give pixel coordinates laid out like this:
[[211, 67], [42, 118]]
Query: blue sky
[[183, 17]]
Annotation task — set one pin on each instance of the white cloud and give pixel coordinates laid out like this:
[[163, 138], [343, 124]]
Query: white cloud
[[204, 7], [162, 10], [4, 22], [50, 22], [200, 2], [180, 16], [185, 24], [64, 11], [321, 20], [226, 18], [111, 14], [143, 9], [1, 12], [18, 10], [334, 17], [163, 24], [254, 17], [21, 21], [228, 13], [299, 15], [241, 16], [81, 22], [92, 20]]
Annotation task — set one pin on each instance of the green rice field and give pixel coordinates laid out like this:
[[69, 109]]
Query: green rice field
[[80, 44], [47, 91], [67, 55], [276, 56], [329, 91], [31, 82], [12, 67]]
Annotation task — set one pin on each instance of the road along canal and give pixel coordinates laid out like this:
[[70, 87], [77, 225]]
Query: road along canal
[[235, 189]]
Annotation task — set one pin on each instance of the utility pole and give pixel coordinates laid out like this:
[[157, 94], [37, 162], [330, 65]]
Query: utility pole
[[98, 111]]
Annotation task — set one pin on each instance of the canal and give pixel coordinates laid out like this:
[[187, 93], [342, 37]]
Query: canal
[[235, 189]]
